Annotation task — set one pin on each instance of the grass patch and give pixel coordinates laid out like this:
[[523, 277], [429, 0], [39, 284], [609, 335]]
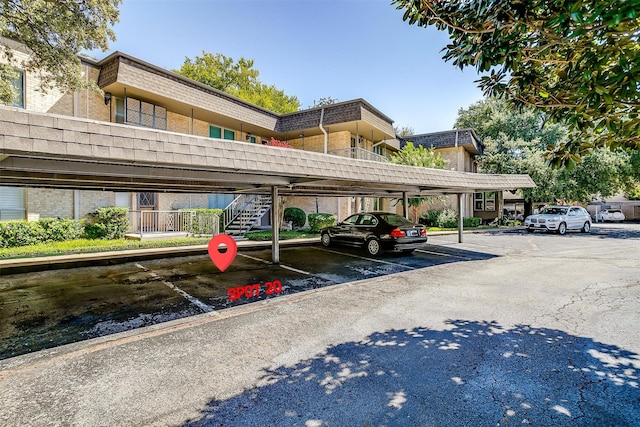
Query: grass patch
[[284, 235], [82, 246]]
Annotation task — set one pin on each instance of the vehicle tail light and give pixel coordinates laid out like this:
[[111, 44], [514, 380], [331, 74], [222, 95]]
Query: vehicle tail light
[[423, 232], [398, 233]]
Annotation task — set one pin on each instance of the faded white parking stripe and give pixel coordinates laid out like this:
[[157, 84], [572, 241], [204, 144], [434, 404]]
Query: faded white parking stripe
[[193, 300], [441, 254], [365, 258], [279, 265]]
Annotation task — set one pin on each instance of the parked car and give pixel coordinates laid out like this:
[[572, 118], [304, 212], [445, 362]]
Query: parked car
[[610, 215], [376, 231], [559, 219]]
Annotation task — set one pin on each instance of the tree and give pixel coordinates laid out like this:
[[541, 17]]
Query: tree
[[578, 60], [54, 32], [237, 78], [516, 140], [323, 102], [404, 131], [411, 155]]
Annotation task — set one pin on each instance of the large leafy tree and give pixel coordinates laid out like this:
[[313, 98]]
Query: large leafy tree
[[579, 60], [54, 32], [419, 156], [237, 78], [515, 141]]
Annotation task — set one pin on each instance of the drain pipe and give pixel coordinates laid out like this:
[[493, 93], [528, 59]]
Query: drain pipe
[[326, 137]]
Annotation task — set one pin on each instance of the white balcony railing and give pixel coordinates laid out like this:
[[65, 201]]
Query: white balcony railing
[[185, 221], [359, 153]]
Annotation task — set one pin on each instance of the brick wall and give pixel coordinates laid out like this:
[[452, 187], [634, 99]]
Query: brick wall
[[49, 203], [175, 201]]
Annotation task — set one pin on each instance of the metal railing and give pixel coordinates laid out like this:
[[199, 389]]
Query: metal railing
[[185, 221], [359, 153]]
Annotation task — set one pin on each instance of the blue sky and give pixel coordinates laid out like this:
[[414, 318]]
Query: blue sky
[[343, 49]]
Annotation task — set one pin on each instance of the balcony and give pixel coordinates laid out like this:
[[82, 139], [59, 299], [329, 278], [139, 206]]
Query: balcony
[[359, 153]]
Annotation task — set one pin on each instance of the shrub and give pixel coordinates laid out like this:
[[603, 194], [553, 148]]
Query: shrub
[[318, 221], [430, 219], [109, 223], [446, 218], [202, 222], [24, 233], [61, 229], [474, 221], [296, 215]]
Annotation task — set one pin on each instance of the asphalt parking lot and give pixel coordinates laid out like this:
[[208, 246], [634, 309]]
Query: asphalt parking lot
[[541, 330], [51, 308]]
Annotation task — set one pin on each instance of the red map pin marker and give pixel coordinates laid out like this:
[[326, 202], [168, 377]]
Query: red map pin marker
[[222, 260]]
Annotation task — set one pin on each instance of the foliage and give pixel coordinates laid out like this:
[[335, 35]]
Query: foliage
[[323, 102], [110, 223], [91, 246], [25, 233], [404, 131], [296, 215], [203, 221], [419, 156], [578, 60], [55, 32], [445, 218], [515, 141], [267, 235], [277, 143], [471, 222], [239, 79], [318, 221], [634, 193]]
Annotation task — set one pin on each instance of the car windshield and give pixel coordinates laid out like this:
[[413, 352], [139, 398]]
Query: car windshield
[[396, 220], [554, 211]]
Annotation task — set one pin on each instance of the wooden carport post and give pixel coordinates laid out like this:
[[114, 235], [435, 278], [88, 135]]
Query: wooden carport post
[[461, 200], [405, 204], [275, 226]]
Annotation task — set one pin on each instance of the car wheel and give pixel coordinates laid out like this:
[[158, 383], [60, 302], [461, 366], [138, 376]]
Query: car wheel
[[529, 230], [562, 228], [326, 240], [586, 228], [373, 246]]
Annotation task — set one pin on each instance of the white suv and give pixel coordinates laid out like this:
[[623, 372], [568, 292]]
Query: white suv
[[560, 219]]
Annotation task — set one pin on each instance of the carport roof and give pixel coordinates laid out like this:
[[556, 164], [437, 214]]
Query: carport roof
[[44, 150]]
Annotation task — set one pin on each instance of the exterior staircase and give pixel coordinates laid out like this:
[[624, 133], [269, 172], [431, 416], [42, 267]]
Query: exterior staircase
[[244, 213]]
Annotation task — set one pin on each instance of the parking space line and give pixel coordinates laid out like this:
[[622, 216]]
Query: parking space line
[[279, 265], [441, 254], [365, 258], [193, 300]]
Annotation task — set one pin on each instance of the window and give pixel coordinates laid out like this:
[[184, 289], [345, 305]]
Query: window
[[478, 202], [18, 85], [377, 150], [145, 114], [252, 139], [119, 110], [484, 201], [215, 132], [146, 200], [229, 134], [12, 203]]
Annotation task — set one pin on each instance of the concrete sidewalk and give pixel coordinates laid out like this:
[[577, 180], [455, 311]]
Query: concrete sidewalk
[[531, 336]]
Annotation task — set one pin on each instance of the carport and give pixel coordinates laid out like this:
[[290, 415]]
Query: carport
[[44, 150]]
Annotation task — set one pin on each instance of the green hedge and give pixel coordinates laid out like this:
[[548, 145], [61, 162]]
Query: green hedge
[[297, 217], [110, 223], [45, 230], [318, 221], [447, 218]]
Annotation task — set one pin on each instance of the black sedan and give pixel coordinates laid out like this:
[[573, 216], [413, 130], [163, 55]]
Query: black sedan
[[376, 231]]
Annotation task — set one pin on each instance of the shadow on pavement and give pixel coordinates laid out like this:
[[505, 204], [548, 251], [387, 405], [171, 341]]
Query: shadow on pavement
[[475, 374]]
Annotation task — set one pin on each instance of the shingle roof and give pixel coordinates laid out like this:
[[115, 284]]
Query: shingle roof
[[63, 151], [466, 138]]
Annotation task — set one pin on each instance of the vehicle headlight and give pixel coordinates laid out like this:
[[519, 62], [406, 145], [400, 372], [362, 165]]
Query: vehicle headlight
[[556, 219]]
